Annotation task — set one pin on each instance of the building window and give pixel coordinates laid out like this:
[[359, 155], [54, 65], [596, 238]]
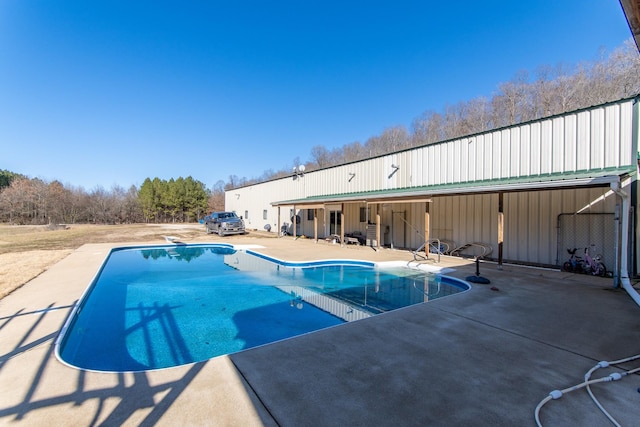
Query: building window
[[364, 213], [310, 214], [264, 214], [246, 214]]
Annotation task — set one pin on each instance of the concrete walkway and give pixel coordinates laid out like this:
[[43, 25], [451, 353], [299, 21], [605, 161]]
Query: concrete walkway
[[484, 357]]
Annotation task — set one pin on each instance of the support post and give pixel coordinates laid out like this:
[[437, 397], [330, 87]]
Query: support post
[[427, 226], [378, 225], [500, 228], [342, 224], [315, 225], [294, 222], [279, 230], [616, 244]]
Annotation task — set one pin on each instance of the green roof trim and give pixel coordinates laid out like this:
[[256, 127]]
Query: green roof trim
[[559, 180]]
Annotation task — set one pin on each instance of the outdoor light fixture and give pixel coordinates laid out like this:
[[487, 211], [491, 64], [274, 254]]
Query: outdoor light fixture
[[237, 195], [298, 172], [351, 176], [395, 169]]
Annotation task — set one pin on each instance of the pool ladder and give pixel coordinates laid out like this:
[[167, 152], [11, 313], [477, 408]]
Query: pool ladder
[[417, 253]]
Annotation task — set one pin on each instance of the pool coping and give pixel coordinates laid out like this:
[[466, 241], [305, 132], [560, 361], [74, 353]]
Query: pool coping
[[464, 286]]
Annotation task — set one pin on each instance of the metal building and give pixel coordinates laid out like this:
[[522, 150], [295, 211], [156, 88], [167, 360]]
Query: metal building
[[521, 194]]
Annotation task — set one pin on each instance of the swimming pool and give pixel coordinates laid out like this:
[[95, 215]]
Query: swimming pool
[[163, 306]]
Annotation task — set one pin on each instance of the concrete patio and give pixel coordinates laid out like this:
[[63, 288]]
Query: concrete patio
[[484, 357]]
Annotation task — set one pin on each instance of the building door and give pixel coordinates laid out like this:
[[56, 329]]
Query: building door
[[335, 222]]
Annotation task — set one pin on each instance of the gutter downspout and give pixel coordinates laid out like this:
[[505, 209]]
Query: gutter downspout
[[624, 268]]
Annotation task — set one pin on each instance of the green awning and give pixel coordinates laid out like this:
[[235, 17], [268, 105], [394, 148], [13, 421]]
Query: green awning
[[599, 178]]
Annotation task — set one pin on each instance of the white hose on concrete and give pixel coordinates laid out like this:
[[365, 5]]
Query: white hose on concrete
[[557, 394], [605, 364]]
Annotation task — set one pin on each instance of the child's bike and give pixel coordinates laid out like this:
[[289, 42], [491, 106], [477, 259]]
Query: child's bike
[[586, 265], [594, 265], [574, 265]]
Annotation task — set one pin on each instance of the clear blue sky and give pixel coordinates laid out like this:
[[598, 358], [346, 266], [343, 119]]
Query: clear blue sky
[[98, 93]]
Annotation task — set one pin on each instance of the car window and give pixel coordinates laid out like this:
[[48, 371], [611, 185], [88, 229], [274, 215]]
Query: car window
[[224, 215]]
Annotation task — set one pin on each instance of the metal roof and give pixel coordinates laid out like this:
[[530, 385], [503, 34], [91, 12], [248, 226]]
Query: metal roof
[[577, 179], [631, 10]]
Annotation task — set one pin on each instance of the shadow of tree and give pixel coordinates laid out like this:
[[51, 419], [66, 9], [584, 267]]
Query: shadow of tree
[[132, 396]]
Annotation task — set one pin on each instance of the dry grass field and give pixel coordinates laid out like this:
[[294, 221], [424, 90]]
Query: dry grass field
[[27, 251]]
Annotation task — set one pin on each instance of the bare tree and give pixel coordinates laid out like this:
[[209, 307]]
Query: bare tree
[[235, 182], [565, 90], [510, 103], [76, 210], [624, 67], [374, 146], [125, 205], [427, 128], [40, 207], [542, 93], [132, 209], [216, 200], [58, 198], [455, 121], [320, 156], [354, 151], [99, 206], [478, 115], [12, 200], [24, 201], [394, 138]]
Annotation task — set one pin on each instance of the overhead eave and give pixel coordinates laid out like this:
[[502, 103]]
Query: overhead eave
[[423, 194]]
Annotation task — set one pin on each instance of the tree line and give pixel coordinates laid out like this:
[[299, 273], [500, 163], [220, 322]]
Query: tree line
[[549, 91], [34, 201]]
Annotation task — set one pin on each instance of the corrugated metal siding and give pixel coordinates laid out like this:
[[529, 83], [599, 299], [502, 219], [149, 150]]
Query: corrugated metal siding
[[593, 139], [462, 220], [257, 198], [530, 233]]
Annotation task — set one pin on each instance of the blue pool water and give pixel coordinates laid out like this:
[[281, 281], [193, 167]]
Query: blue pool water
[[158, 307]]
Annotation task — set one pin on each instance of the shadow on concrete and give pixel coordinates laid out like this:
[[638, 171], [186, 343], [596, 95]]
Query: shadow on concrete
[[132, 391]]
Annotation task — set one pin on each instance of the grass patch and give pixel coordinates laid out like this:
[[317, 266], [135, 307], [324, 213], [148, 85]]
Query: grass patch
[[32, 238], [27, 251]]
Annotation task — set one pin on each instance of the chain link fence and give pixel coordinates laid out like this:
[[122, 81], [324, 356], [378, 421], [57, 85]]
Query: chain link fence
[[596, 231]]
